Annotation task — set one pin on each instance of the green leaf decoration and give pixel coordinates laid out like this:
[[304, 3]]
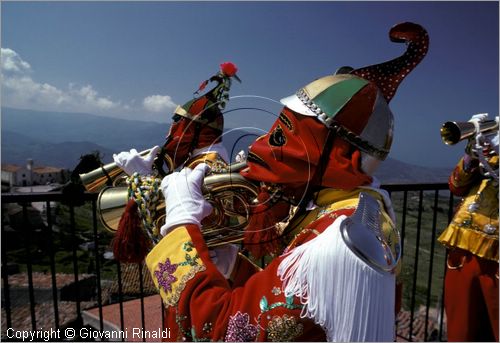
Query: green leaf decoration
[[263, 304]]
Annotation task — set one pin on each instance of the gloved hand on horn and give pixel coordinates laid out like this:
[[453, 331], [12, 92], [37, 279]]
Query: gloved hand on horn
[[480, 146], [184, 200], [132, 162]]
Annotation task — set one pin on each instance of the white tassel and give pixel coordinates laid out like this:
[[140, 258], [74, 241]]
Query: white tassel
[[350, 300]]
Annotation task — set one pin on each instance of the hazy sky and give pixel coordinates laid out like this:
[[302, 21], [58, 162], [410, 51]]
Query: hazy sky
[[138, 60]]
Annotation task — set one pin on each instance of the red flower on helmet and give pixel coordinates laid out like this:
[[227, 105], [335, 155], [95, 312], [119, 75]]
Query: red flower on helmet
[[228, 69]]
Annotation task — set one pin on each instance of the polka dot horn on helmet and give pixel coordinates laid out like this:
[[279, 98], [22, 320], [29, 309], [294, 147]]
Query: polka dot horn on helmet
[[354, 102]]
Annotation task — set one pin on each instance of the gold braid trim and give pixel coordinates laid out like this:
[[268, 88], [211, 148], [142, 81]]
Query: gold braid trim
[[476, 242], [176, 294]]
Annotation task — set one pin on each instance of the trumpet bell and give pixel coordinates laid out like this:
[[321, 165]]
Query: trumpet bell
[[111, 203], [112, 175], [453, 132], [102, 177]]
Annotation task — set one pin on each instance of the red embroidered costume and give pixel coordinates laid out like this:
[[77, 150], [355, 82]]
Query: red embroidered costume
[[471, 282], [320, 153]]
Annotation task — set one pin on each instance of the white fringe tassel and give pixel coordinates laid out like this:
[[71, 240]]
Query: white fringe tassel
[[350, 300]]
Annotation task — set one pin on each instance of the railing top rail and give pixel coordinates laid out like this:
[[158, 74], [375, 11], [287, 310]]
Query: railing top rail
[[59, 196], [41, 196], [415, 186]]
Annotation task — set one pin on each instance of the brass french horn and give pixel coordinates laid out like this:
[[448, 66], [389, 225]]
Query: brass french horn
[[229, 193]]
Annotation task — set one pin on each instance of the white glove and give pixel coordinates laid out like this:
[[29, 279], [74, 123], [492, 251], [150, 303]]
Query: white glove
[[240, 157], [224, 258], [132, 162], [184, 200]]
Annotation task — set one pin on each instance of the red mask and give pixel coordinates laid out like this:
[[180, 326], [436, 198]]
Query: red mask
[[292, 152]]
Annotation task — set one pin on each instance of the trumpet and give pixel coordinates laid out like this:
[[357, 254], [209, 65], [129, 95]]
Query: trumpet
[[453, 132], [229, 193], [112, 175]]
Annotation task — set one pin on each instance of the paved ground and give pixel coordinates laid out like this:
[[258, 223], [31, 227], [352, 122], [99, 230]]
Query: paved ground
[[133, 328]]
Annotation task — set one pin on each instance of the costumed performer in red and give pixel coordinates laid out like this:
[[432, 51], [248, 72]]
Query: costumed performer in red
[[471, 280], [336, 277]]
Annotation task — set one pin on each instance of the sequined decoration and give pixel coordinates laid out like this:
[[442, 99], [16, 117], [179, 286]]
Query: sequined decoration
[[276, 291], [165, 275], [239, 329], [207, 328], [473, 207], [489, 229], [388, 75], [284, 329]]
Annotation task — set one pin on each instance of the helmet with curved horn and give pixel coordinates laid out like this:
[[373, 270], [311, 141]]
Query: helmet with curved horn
[[355, 104]]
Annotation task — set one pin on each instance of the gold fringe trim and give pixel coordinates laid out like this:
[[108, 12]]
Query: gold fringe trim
[[476, 242]]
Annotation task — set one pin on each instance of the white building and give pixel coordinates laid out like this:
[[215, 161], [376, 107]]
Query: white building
[[20, 176]]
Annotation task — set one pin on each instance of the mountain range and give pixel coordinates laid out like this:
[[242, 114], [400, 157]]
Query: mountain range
[[59, 139]]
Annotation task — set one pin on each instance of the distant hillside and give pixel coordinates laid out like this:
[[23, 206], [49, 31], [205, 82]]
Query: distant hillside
[[59, 139], [17, 148], [58, 127], [393, 171]]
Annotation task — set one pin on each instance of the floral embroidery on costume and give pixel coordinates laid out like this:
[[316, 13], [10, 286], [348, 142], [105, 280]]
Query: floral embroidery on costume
[[173, 263], [284, 329], [274, 324], [239, 329], [165, 275]]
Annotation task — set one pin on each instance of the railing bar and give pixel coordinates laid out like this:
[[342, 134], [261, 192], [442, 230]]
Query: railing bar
[[415, 266], [402, 240], [431, 260], [141, 290], [48, 211], [403, 221], [97, 264], [120, 297], [75, 261], [29, 267], [441, 320], [162, 315], [6, 288], [40, 197], [451, 211]]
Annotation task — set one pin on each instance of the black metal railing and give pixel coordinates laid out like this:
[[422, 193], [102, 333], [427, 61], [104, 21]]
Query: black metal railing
[[55, 265]]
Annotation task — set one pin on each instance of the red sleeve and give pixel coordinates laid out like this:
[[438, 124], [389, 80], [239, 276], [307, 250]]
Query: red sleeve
[[201, 305], [461, 180]]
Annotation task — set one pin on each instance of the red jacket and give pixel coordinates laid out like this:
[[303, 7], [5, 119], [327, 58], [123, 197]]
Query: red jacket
[[202, 305]]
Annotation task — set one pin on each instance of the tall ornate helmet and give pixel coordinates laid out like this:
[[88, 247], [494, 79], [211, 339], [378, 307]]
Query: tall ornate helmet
[[354, 102], [199, 122], [207, 108]]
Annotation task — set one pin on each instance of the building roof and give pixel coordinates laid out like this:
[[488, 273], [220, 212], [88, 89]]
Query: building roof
[[46, 170], [11, 168], [36, 169]]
